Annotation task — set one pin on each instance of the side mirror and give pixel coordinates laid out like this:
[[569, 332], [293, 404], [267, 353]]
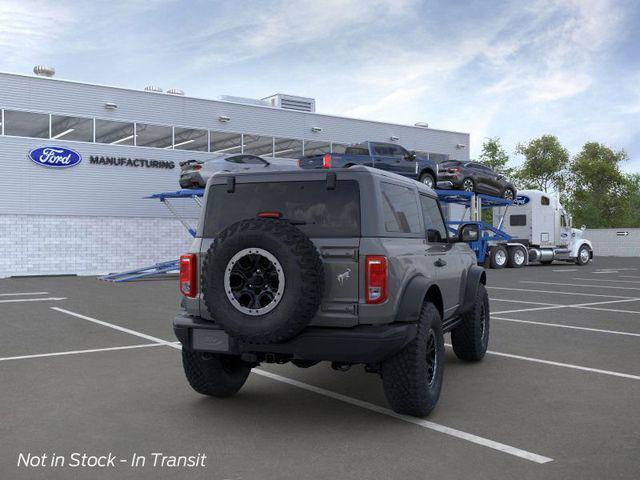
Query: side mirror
[[411, 156], [433, 236], [469, 232]]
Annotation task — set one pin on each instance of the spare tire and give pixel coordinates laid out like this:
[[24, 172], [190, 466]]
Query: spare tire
[[262, 280]]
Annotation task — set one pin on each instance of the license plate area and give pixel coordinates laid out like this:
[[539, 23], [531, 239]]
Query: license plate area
[[209, 340]]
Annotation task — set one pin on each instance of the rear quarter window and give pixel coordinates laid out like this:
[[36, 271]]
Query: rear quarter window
[[319, 211], [400, 209]]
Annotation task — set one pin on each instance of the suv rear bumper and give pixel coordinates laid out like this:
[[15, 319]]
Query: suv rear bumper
[[361, 344]]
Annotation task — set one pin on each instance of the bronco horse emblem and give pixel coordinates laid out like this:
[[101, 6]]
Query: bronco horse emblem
[[344, 276]]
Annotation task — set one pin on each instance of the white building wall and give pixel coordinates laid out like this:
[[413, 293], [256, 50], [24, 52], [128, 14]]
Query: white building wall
[[612, 242], [54, 245]]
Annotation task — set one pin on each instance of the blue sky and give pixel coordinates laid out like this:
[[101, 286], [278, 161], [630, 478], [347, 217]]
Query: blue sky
[[514, 69]]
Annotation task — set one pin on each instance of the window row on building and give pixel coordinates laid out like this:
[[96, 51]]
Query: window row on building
[[96, 130]]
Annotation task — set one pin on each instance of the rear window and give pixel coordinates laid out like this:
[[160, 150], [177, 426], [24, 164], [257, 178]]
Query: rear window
[[356, 151], [325, 213]]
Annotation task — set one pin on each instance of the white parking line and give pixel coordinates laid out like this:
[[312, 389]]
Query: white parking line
[[572, 327], [564, 365], [20, 300], [629, 276], [76, 352], [115, 327], [552, 306], [606, 280], [416, 421], [27, 293], [522, 301], [559, 293], [369, 406], [567, 270], [580, 285]]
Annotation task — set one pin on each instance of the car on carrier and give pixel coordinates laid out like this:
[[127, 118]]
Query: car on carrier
[[389, 157], [474, 177], [350, 266], [195, 173]]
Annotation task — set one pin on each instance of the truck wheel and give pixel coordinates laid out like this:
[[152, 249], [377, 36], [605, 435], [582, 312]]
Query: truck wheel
[[517, 257], [262, 280], [213, 374], [412, 378], [584, 255], [508, 194], [471, 338], [428, 180], [498, 255]]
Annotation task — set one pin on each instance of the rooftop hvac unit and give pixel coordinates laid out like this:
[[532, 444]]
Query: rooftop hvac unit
[[153, 88], [175, 91], [291, 102]]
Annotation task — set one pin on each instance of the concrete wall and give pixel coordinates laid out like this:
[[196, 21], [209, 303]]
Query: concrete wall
[[612, 242]]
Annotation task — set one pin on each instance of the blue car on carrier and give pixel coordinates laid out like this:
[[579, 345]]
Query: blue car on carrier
[[384, 156]]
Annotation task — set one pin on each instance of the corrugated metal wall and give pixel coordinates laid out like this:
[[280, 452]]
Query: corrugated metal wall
[[614, 242]]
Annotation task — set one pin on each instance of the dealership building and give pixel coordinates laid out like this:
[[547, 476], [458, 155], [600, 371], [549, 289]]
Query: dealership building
[[121, 145]]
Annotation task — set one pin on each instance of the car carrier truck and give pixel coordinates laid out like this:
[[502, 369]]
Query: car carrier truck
[[534, 228]]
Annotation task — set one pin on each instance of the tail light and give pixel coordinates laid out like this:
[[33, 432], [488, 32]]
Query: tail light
[[298, 162], [188, 275], [375, 279], [326, 160], [454, 170], [269, 215]]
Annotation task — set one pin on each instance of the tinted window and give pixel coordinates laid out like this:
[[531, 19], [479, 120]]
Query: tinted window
[[222, 142], [357, 151], [258, 145], [338, 148], [327, 213], [434, 226], [518, 220], [544, 201], [190, 139], [316, 148], [383, 150], [157, 136], [400, 209], [26, 124], [71, 128], [246, 159], [115, 133], [287, 148]]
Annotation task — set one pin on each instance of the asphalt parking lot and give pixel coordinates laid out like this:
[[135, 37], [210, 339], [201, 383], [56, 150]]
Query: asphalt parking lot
[[89, 366]]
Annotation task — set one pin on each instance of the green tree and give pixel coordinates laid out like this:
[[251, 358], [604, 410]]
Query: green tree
[[545, 164], [600, 194], [494, 156]]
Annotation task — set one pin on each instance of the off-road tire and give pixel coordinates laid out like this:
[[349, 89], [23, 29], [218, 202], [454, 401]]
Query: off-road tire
[[303, 273], [428, 176], [405, 375], [470, 338], [214, 375], [512, 262], [494, 256]]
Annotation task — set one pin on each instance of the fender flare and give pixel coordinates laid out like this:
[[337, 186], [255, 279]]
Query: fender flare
[[580, 243], [476, 275], [412, 298]]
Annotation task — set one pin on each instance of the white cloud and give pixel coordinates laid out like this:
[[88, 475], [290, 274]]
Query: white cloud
[[30, 29]]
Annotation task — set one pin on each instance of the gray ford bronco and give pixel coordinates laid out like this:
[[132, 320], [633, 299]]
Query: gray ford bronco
[[349, 266]]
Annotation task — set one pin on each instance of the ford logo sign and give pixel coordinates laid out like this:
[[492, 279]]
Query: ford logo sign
[[521, 200], [55, 157]]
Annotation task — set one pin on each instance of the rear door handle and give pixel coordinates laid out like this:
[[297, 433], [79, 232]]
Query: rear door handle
[[440, 263]]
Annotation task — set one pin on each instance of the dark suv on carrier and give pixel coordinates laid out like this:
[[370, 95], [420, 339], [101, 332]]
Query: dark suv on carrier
[[348, 266]]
